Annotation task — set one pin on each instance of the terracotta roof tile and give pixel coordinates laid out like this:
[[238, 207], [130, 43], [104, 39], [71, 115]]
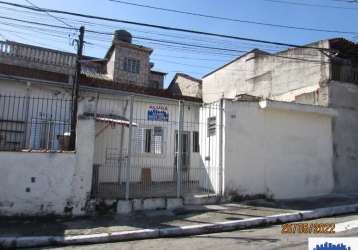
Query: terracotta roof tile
[[12, 70]]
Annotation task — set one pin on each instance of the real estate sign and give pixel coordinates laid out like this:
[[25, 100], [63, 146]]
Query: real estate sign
[[158, 113]]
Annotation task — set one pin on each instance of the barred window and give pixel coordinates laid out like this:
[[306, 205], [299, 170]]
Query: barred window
[[196, 148], [150, 140], [131, 65], [147, 140], [158, 140]]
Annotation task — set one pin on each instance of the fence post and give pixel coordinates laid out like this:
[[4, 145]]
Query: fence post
[[129, 146], [179, 147], [221, 148], [26, 138]]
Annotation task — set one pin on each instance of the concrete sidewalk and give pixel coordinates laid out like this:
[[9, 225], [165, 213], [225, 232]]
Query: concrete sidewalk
[[189, 220], [150, 219]]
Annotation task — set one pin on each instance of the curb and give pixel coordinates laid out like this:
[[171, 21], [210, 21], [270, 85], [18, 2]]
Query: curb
[[37, 241]]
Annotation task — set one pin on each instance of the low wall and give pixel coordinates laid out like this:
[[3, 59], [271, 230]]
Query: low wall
[[284, 151], [40, 183], [35, 183]]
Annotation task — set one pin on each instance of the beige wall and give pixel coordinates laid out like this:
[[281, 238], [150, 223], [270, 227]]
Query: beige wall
[[186, 87], [280, 153], [156, 80], [269, 76]]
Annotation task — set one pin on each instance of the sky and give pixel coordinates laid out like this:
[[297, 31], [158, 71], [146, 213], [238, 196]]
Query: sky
[[193, 61]]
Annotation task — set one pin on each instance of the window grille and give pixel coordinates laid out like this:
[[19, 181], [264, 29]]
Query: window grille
[[150, 140]]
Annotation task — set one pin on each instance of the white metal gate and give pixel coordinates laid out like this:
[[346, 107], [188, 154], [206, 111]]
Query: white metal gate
[[154, 161]]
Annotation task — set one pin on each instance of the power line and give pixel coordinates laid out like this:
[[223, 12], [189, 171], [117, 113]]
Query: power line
[[232, 19], [311, 4], [53, 16], [102, 25], [190, 45], [37, 23], [161, 27], [140, 38], [49, 25], [216, 48]]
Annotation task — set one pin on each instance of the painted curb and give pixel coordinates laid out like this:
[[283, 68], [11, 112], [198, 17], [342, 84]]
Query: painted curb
[[37, 241]]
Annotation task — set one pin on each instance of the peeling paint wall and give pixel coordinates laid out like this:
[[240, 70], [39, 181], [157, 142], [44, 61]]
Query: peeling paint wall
[[284, 154], [34, 183]]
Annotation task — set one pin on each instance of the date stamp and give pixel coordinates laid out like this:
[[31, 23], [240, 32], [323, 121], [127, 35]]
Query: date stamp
[[308, 228]]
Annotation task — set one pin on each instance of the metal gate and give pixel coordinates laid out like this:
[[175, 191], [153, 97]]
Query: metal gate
[[149, 147]]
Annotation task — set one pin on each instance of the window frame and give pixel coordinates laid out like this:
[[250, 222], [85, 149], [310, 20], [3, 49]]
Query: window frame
[[131, 65]]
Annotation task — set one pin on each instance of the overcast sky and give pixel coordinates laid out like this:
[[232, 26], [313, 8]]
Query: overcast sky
[[196, 62]]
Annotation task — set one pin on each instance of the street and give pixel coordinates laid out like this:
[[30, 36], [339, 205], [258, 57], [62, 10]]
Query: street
[[259, 238]]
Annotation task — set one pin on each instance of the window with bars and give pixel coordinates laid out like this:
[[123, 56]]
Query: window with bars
[[147, 140], [150, 140], [196, 148], [131, 65]]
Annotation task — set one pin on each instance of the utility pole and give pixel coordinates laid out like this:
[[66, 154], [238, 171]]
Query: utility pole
[[75, 88]]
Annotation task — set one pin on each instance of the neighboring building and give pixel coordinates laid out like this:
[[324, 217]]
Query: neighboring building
[[129, 63], [124, 63], [183, 84], [302, 75]]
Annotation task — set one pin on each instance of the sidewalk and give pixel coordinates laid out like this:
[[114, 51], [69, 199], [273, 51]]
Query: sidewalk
[[188, 217], [151, 219]]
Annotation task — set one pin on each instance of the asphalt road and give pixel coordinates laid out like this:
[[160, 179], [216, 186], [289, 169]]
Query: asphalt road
[[258, 238]]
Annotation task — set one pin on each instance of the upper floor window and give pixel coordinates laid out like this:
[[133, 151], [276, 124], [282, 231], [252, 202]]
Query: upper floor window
[[131, 65]]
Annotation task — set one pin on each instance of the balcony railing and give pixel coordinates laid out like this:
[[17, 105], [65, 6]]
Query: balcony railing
[[22, 53]]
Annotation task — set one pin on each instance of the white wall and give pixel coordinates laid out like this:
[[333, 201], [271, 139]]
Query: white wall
[[62, 181], [279, 153], [51, 189]]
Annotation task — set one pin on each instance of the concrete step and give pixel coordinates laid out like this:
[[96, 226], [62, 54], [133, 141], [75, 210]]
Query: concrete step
[[201, 199]]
